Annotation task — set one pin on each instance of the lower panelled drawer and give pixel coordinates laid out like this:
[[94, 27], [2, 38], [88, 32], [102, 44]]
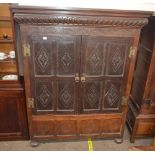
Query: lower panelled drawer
[[146, 127], [102, 125]]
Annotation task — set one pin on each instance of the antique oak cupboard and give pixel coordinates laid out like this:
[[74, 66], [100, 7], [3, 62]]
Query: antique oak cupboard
[[78, 68], [141, 115]]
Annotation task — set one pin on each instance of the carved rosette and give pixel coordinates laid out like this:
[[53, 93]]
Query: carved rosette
[[80, 20]]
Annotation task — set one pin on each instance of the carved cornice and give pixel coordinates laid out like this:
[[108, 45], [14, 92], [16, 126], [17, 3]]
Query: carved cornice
[[80, 20]]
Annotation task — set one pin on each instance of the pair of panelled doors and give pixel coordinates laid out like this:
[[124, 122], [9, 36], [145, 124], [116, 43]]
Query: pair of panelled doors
[[78, 74]]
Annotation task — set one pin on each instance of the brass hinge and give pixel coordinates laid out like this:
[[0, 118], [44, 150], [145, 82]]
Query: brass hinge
[[26, 50], [132, 51], [125, 100], [31, 102]]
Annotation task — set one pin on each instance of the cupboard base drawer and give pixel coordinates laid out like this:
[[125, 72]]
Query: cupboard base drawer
[[61, 127], [143, 127], [146, 127]]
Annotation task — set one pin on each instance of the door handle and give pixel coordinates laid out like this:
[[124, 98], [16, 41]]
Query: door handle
[[83, 78], [77, 78]]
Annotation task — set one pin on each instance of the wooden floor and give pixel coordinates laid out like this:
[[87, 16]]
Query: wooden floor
[[98, 145]]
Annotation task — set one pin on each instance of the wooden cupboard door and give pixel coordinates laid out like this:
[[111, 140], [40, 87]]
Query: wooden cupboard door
[[104, 67], [13, 115], [54, 64], [9, 122]]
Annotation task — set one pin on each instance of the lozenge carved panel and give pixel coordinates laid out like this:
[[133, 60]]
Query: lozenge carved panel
[[44, 57], [116, 57], [66, 96], [92, 95], [66, 58], [113, 94], [95, 59], [44, 97]]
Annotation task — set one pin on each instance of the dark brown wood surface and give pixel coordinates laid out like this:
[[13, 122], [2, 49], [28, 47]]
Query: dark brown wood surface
[[55, 63], [13, 114], [78, 69], [61, 127], [141, 115], [104, 63]]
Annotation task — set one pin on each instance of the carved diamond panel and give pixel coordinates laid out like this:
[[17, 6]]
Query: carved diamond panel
[[117, 61], [42, 58], [117, 53], [92, 96], [66, 95], [113, 94], [94, 59], [43, 95], [66, 58]]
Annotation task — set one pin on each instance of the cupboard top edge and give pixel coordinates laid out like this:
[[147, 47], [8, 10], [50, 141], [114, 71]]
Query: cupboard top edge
[[80, 11]]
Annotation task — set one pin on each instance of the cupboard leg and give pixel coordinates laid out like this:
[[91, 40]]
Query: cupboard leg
[[34, 143], [132, 139], [133, 133], [118, 140]]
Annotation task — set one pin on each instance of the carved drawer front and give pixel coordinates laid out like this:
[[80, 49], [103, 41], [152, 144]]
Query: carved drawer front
[[55, 127], [66, 127], [77, 125], [89, 126], [146, 127], [112, 125], [43, 127]]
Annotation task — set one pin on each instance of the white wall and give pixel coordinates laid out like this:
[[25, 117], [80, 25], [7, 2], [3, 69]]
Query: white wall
[[148, 5]]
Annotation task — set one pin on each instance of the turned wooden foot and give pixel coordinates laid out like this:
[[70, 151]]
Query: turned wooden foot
[[118, 140], [34, 143]]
